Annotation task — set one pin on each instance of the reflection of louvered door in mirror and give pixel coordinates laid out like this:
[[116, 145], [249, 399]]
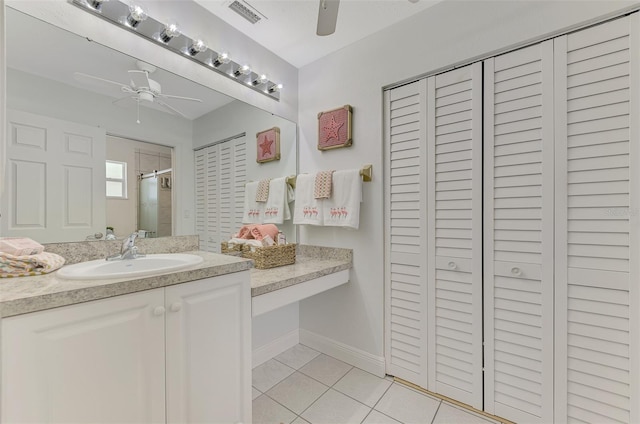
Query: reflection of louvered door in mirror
[[220, 179], [597, 186], [518, 216], [454, 228], [406, 288]]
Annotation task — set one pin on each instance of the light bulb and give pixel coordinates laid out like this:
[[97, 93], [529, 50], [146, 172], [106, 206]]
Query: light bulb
[[96, 4], [196, 47], [170, 31], [260, 80], [136, 15], [243, 70], [275, 88], [223, 58]]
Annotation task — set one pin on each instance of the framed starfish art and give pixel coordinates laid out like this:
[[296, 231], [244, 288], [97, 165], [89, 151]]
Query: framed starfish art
[[334, 128], [268, 144]]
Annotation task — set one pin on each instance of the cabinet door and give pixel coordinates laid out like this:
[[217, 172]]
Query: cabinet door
[[406, 233], [454, 209], [518, 231], [101, 361], [598, 223], [209, 350]]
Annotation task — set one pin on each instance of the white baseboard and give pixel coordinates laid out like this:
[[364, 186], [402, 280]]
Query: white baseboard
[[356, 357], [275, 348]]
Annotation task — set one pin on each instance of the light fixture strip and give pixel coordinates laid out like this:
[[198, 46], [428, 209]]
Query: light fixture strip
[[117, 13]]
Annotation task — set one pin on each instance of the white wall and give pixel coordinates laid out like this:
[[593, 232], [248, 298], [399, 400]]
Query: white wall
[[445, 34]]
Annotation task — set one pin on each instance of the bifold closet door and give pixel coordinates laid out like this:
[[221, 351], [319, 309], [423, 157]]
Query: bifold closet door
[[598, 223], [518, 234], [220, 177], [454, 222], [406, 233]]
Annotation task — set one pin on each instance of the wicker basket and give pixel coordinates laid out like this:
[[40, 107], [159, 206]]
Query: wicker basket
[[232, 249], [272, 256]]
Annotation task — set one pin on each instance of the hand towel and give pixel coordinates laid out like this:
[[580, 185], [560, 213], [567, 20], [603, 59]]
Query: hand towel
[[257, 232], [28, 265], [262, 195], [261, 231], [308, 210], [277, 208], [253, 211], [323, 183], [20, 246], [342, 209]]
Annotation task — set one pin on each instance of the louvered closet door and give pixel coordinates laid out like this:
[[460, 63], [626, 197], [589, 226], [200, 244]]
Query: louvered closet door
[[221, 172], [454, 209], [200, 160], [518, 234], [597, 224], [406, 253]]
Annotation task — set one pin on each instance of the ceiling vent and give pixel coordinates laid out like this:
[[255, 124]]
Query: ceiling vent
[[246, 11]]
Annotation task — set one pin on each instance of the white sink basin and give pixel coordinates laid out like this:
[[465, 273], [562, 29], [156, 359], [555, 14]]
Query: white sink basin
[[138, 267]]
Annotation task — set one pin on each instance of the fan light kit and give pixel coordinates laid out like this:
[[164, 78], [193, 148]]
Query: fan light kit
[[135, 19]]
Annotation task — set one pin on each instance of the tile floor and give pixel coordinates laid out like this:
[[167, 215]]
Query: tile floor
[[302, 385]]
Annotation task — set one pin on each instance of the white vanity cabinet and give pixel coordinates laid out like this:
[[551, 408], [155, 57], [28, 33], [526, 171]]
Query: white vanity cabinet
[[174, 354]]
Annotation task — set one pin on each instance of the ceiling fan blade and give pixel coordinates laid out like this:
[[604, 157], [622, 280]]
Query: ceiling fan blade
[[171, 96], [327, 17], [90, 79], [139, 78], [170, 108], [126, 102]]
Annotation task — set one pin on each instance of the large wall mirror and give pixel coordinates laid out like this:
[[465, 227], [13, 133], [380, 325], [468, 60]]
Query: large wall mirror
[[86, 152]]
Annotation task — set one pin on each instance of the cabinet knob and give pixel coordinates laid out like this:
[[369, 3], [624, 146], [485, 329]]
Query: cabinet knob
[[175, 307], [516, 271], [159, 310], [452, 265]]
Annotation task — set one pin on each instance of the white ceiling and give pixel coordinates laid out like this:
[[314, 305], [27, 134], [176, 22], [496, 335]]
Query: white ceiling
[[288, 27]]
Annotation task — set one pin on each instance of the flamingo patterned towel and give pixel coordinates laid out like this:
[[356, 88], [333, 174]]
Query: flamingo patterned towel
[[342, 209], [276, 211], [308, 210], [253, 211]]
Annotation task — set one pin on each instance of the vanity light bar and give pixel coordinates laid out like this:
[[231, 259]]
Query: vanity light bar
[[135, 19]]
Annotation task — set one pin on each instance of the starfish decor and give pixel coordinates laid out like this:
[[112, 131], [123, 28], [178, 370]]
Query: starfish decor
[[331, 130], [265, 146]]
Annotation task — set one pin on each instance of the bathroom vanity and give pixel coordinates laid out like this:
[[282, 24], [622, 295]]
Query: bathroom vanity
[[171, 348], [167, 348]]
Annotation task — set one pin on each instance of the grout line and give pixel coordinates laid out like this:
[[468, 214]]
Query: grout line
[[452, 401], [437, 410]]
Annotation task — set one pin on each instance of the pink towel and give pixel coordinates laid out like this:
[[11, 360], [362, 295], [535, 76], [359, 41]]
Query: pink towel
[[258, 232]]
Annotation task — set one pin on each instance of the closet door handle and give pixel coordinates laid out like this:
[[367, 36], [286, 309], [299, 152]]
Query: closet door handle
[[175, 307], [516, 271], [452, 265], [159, 310]]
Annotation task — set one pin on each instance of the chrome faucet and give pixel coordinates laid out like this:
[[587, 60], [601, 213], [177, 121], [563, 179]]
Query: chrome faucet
[[128, 250]]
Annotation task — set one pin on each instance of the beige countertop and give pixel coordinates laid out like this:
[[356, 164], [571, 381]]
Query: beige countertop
[[29, 294]]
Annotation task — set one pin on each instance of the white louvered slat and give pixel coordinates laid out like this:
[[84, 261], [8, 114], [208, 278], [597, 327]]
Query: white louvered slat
[[596, 70], [405, 313], [454, 118], [518, 219]]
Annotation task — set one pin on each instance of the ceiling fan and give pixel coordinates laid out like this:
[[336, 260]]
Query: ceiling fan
[[327, 17], [141, 88]]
